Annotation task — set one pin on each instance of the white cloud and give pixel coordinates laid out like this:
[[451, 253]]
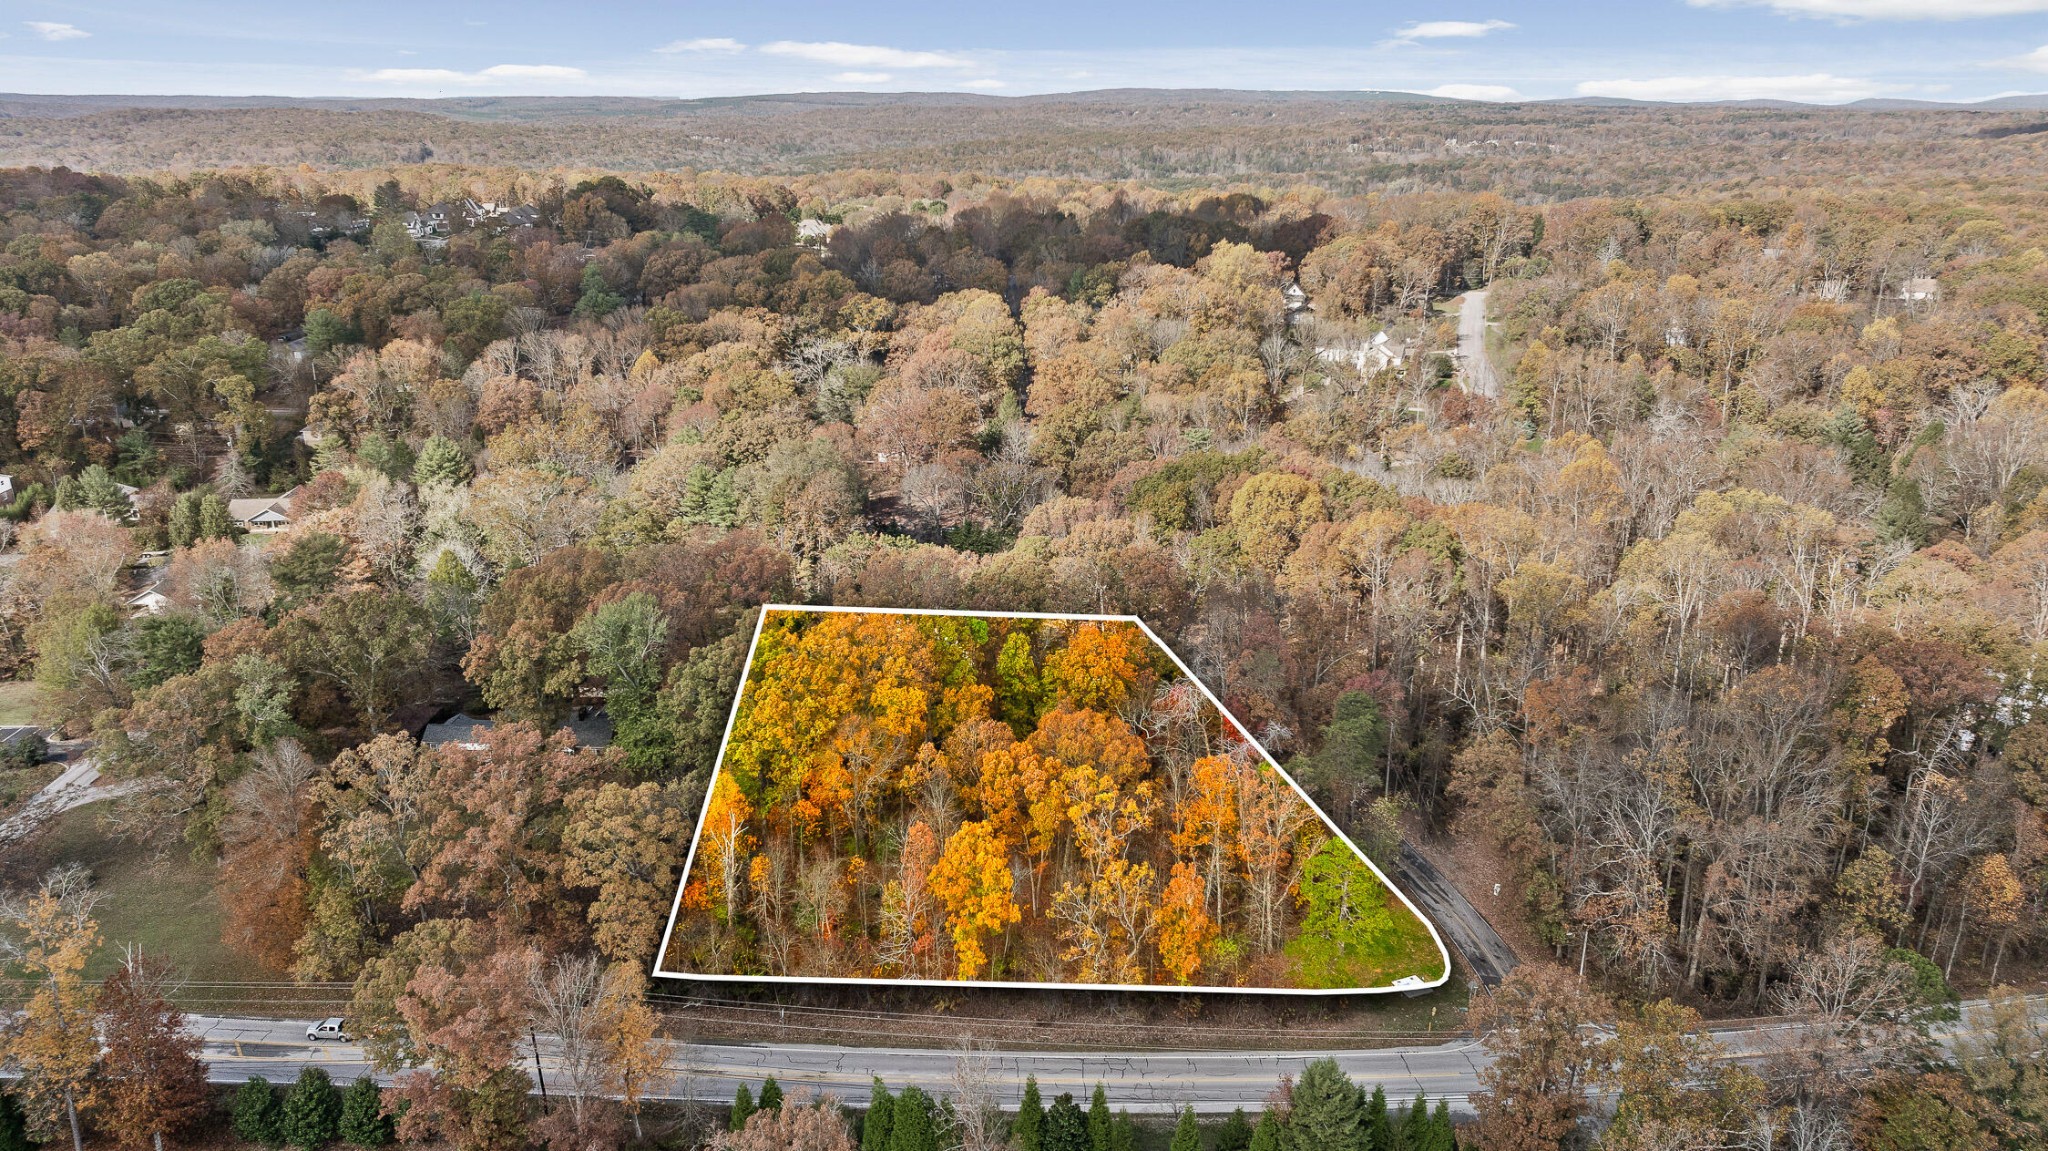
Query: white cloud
[[1886, 9], [861, 77], [1494, 92], [497, 74], [984, 82], [2035, 61], [724, 45], [532, 72], [863, 55], [1448, 30], [49, 30], [1816, 88]]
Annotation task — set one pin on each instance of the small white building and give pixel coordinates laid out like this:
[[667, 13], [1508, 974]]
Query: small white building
[[6, 489]]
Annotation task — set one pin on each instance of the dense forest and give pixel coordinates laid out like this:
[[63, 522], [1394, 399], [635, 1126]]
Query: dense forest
[[1715, 629], [1350, 143], [1023, 800]]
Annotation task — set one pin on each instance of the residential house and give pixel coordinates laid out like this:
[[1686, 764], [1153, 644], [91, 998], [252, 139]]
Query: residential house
[[1374, 355], [149, 601], [263, 513], [6, 489], [1919, 290], [590, 726]]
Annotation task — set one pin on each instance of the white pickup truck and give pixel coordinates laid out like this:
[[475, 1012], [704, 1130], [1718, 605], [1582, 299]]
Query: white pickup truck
[[328, 1028]]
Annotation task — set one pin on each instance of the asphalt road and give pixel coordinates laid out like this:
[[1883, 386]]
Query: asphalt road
[[1462, 926], [1477, 369], [1144, 1082]]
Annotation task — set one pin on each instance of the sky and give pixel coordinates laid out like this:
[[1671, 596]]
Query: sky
[[1821, 51]]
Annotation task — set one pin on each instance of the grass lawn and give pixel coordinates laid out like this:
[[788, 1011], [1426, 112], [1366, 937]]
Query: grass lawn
[[153, 897], [17, 703]]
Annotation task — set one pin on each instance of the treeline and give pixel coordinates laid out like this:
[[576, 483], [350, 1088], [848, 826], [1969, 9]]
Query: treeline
[[1325, 1109], [1530, 151]]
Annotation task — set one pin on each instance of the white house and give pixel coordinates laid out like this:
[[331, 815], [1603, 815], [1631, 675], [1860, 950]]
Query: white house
[[149, 601], [1375, 355], [263, 513], [1920, 289], [6, 489], [813, 233]]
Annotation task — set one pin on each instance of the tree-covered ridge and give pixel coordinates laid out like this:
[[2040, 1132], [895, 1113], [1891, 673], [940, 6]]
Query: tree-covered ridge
[[1020, 800]]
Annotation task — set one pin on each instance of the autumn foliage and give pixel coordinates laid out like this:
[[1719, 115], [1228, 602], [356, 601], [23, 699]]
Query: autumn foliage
[[1022, 800]]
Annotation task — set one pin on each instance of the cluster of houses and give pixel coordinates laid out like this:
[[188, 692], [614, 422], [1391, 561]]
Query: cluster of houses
[[260, 515], [432, 226]]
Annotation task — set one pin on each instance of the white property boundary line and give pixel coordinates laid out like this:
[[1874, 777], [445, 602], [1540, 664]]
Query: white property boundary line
[[746, 671]]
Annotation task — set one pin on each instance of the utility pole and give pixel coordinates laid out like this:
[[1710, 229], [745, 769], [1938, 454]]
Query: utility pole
[[538, 1077]]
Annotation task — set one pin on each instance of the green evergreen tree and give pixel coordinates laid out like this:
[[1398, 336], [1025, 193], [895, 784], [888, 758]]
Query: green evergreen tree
[[913, 1122], [258, 1116], [1414, 1130], [1028, 1132], [309, 568], [215, 521], [312, 1110], [363, 1121], [1187, 1136], [771, 1095], [14, 1125], [1066, 1126], [742, 1108], [1268, 1135], [385, 454], [183, 527], [1379, 1130], [1098, 1119], [166, 645], [1443, 1133], [1123, 1134], [1329, 1112], [442, 463], [598, 299], [874, 1127], [1903, 515], [1235, 1133]]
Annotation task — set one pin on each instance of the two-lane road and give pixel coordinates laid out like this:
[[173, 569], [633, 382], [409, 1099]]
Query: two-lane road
[[1142, 1081]]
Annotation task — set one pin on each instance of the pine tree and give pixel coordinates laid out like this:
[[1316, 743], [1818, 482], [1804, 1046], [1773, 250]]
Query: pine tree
[[1329, 1112], [1186, 1135], [1123, 1134], [1028, 1132], [1066, 1126], [1414, 1130], [1098, 1120], [1379, 1131], [1235, 1134], [742, 1107], [312, 1111], [363, 1121], [912, 1125], [13, 1124], [441, 463], [215, 523], [874, 1128], [258, 1116], [1443, 1136], [1903, 515], [771, 1095], [1267, 1136]]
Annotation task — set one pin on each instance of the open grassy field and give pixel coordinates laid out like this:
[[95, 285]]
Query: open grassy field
[[17, 703]]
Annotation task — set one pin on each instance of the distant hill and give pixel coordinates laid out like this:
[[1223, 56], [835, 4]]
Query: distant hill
[[1344, 141]]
